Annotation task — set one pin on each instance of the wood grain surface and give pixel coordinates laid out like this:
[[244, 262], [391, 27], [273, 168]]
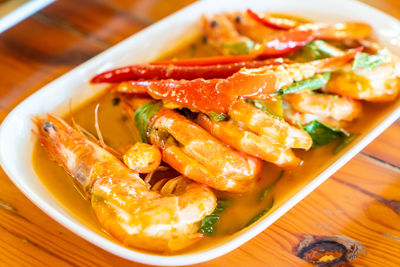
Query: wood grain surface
[[358, 206]]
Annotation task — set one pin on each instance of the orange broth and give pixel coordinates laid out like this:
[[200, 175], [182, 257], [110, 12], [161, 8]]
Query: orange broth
[[119, 132]]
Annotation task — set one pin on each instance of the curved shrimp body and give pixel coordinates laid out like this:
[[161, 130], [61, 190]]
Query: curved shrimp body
[[196, 154], [295, 117], [221, 33], [249, 27], [259, 134], [121, 200], [381, 84], [324, 105]]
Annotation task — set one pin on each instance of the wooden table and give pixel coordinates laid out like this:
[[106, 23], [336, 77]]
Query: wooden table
[[361, 201]]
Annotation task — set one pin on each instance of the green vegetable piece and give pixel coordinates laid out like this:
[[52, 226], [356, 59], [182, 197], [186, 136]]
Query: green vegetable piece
[[314, 83], [224, 203], [299, 125], [214, 116], [344, 143], [208, 224], [273, 108], [366, 61], [265, 192], [322, 134], [221, 205], [218, 210], [317, 50], [143, 116], [260, 214], [241, 48]]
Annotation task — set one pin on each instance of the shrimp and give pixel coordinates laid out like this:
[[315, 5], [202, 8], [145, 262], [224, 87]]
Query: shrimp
[[381, 84], [295, 117], [259, 134], [222, 35], [142, 157], [333, 106], [124, 205], [249, 27], [195, 153]]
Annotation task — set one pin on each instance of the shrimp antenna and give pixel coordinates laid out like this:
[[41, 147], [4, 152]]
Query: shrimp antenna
[[74, 124], [96, 125]]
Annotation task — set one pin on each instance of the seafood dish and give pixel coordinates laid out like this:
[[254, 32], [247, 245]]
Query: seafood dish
[[201, 143]]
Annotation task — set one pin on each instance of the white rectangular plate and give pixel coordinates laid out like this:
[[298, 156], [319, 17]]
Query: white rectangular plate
[[17, 140]]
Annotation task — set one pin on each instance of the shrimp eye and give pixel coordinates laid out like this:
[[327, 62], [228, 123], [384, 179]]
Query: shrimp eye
[[238, 19], [116, 101], [48, 125], [214, 24]]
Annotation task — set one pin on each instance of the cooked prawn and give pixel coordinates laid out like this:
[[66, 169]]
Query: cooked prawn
[[259, 134], [249, 27], [142, 157], [195, 153], [381, 84], [221, 34], [168, 220], [324, 105], [295, 118]]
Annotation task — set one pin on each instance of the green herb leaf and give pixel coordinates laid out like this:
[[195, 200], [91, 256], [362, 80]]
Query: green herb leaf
[[344, 143], [366, 61], [208, 224], [260, 214], [299, 125], [265, 192], [221, 205], [143, 116], [214, 116], [224, 203], [241, 48], [314, 83], [322, 134], [317, 50], [273, 108]]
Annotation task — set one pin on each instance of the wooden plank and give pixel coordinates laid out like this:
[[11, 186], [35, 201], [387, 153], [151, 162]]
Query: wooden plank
[[32, 58], [3, 114], [149, 10], [387, 146], [93, 20], [359, 201], [392, 7]]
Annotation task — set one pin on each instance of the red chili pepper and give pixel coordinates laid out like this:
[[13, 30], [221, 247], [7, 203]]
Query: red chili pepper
[[284, 43], [158, 72], [337, 62], [205, 61], [218, 94], [295, 36], [271, 22]]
